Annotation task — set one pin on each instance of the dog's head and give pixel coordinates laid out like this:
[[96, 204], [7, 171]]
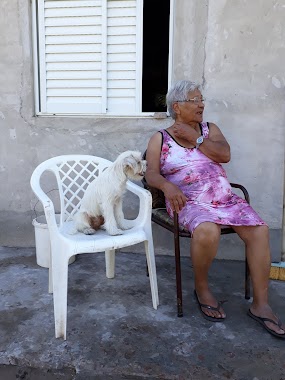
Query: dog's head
[[134, 166]]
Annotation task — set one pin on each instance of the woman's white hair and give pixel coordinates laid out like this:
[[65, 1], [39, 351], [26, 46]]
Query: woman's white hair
[[179, 91]]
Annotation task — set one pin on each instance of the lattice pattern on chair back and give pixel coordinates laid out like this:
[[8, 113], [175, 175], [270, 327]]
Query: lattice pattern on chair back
[[74, 176]]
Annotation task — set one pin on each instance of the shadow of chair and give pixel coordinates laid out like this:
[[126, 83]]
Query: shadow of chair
[[161, 217], [73, 174]]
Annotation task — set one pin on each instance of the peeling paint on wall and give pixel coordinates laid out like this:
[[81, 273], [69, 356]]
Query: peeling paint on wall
[[13, 134], [32, 133], [82, 142], [80, 133], [276, 82], [226, 34]]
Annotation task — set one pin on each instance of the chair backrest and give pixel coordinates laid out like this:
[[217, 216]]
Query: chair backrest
[[158, 199], [73, 173]]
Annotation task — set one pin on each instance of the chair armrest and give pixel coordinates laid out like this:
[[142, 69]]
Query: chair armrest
[[243, 189], [45, 201], [145, 202], [158, 198]]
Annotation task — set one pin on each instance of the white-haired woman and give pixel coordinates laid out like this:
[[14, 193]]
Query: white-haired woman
[[184, 161]]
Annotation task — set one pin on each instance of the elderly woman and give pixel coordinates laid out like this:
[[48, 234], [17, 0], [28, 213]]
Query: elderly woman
[[184, 161]]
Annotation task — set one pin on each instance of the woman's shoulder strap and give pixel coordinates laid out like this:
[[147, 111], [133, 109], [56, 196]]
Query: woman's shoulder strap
[[162, 131]]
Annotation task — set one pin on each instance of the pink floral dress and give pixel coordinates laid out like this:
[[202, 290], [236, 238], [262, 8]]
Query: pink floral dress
[[205, 184]]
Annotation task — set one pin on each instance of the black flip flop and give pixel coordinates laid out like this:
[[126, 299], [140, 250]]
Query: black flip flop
[[262, 320], [208, 317]]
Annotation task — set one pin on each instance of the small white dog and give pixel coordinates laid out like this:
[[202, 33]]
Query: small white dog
[[102, 202]]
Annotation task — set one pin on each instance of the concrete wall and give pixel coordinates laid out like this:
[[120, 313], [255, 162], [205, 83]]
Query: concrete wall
[[235, 49]]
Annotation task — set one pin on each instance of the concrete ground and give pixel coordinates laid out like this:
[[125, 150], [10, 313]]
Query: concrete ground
[[113, 333]]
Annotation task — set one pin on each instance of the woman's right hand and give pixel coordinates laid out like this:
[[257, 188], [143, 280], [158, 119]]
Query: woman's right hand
[[175, 196]]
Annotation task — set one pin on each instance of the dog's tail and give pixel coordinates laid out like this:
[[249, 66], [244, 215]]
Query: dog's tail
[[84, 223]]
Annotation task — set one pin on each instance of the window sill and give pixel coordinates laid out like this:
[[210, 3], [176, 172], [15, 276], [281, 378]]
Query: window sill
[[155, 115]]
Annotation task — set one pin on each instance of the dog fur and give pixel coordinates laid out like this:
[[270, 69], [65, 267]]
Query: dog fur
[[101, 206]]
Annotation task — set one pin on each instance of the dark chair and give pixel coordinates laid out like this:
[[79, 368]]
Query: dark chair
[[161, 217]]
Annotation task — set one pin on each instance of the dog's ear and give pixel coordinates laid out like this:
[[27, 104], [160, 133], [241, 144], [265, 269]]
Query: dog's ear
[[130, 162]]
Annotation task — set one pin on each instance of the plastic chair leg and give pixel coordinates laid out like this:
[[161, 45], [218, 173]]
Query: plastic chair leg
[[149, 250], [110, 263], [60, 279], [50, 290], [50, 275]]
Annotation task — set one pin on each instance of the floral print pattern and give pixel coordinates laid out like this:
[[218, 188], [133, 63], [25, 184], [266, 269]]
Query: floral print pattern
[[205, 184]]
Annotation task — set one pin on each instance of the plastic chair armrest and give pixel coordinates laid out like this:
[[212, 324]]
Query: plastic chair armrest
[[47, 206], [145, 198]]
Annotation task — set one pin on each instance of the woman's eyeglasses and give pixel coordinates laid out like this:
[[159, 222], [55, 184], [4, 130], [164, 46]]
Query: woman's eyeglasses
[[195, 100]]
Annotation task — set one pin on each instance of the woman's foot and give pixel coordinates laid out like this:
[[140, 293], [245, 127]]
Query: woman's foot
[[264, 312], [209, 306]]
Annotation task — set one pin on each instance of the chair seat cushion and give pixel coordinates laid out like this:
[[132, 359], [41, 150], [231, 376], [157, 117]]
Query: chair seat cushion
[[162, 214]]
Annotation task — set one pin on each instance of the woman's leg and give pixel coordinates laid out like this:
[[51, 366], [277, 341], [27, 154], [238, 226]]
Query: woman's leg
[[256, 239], [204, 247]]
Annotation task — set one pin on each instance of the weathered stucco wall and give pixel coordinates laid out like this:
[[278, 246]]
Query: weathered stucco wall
[[235, 49], [245, 86], [237, 55]]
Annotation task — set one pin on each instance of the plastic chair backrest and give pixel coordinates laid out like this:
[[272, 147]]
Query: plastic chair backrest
[[158, 199], [73, 173]]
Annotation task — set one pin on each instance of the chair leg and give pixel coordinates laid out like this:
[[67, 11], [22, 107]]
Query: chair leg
[[149, 250], [50, 278], [146, 269], [60, 280], [178, 267], [50, 272], [247, 281], [110, 263]]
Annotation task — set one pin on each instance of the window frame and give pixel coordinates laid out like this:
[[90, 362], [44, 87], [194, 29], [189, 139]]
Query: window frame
[[40, 80]]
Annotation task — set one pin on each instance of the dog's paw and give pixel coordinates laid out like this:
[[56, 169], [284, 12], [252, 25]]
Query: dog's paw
[[115, 231], [89, 231], [73, 231], [127, 224]]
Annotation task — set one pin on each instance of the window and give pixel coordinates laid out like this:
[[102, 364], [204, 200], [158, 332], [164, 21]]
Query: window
[[101, 56], [155, 55]]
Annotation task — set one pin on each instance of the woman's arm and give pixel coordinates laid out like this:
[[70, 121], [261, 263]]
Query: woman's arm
[[153, 177], [215, 147]]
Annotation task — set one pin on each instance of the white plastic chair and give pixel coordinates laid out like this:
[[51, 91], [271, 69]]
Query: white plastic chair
[[73, 174]]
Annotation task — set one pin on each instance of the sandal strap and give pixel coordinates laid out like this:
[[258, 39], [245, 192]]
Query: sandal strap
[[211, 307], [278, 323]]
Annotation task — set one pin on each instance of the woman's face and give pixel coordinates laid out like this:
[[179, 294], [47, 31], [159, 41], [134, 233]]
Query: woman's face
[[190, 111]]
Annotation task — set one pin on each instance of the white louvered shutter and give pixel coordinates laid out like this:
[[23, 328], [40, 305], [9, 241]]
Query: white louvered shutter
[[90, 56], [72, 56], [124, 19]]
